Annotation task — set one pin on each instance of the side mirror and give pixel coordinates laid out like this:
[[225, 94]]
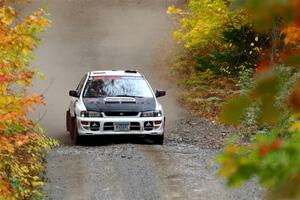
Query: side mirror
[[73, 93], [160, 93]]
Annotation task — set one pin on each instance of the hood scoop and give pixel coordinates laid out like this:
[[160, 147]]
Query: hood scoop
[[119, 100]]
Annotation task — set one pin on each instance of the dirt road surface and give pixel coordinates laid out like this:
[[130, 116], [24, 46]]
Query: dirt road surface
[[122, 34]]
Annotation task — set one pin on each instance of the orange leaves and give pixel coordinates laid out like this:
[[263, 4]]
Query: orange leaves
[[231, 149], [10, 144], [22, 143], [283, 18], [263, 66], [6, 145], [20, 140], [6, 77], [292, 33], [265, 148], [5, 189], [276, 144], [291, 53], [33, 99]]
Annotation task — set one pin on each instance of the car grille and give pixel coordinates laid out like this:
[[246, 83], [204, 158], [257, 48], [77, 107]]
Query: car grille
[[134, 126], [109, 126], [121, 114]]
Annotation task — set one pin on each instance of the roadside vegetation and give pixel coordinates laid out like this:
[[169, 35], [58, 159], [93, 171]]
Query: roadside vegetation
[[23, 143], [220, 49], [246, 53]]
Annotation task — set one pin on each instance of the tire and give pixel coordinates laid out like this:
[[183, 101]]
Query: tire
[[68, 120], [158, 139], [74, 132]]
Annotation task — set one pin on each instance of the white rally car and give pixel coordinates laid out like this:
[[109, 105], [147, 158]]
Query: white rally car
[[115, 103]]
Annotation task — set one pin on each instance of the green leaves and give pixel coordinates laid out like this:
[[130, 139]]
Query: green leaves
[[264, 93], [273, 161], [227, 37], [234, 109]]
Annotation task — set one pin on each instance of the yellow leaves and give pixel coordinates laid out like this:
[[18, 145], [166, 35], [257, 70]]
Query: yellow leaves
[[26, 51], [295, 127], [2, 100], [37, 19], [24, 164], [203, 22], [7, 15], [22, 143], [173, 10], [42, 22], [295, 123], [37, 183], [229, 167]]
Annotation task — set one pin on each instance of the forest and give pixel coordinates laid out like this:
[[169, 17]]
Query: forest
[[239, 63]]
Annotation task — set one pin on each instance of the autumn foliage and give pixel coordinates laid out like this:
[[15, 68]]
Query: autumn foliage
[[22, 142], [259, 43], [271, 155], [218, 45]]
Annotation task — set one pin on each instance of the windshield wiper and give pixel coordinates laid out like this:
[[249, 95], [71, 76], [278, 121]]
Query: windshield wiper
[[125, 95], [99, 96]]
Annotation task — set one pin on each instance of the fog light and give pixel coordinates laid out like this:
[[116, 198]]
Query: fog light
[[157, 122], [85, 123]]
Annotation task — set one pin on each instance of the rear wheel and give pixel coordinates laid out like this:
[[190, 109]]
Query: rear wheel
[[158, 139], [74, 131]]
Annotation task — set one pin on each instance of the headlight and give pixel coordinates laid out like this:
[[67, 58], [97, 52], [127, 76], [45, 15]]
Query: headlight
[[152, 114], [90, 114]]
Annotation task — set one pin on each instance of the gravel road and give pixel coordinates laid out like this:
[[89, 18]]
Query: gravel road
[[118, 34]]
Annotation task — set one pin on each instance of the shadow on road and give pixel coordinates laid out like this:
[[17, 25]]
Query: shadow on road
[[108, 140]]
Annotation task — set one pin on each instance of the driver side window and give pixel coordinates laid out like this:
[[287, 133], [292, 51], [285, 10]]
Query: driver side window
[[80, 86]]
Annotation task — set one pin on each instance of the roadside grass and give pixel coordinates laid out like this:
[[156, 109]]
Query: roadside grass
[[204, 93]]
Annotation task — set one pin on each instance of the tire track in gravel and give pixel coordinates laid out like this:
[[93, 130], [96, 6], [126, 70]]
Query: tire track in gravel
[[187, 172], [113, 34], [67, 185], [170, 186]]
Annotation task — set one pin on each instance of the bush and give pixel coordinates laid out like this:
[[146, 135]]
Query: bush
[[243, 48], [23, 143]]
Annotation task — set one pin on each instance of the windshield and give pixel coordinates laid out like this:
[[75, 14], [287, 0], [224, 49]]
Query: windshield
[[114, 86]]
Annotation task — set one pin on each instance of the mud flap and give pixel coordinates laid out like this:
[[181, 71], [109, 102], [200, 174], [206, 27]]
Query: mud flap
[[68, 120]]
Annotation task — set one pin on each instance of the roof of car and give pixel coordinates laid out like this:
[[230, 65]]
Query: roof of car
[[115, 73]]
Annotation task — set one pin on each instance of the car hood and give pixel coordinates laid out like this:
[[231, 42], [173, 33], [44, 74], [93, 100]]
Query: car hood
[[120, 104]]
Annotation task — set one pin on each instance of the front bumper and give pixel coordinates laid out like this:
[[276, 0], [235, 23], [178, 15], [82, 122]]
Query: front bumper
[[105, 125]]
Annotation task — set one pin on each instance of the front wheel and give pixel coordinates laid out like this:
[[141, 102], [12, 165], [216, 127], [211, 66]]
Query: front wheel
[[74, 131], [68, 120], [158, 139]]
